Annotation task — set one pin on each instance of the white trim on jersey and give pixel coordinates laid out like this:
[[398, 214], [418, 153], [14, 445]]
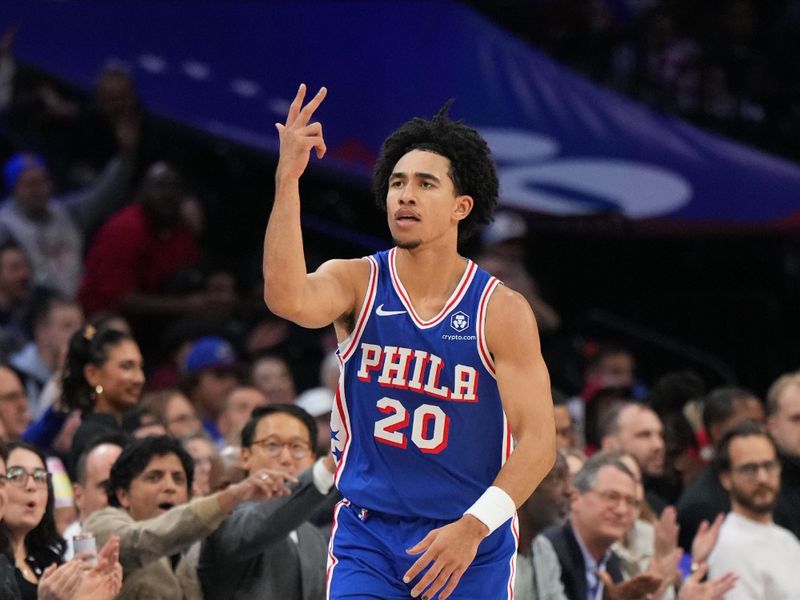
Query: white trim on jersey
[[332, 560], [452, 302], [480, 326], [513, 561], [348, 346]]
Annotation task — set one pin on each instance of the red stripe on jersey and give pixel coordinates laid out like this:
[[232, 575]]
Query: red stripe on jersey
[[366, 309], [483, 349]]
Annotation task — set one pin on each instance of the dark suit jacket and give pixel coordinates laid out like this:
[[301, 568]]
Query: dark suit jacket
[[251, 556], [573, 567]]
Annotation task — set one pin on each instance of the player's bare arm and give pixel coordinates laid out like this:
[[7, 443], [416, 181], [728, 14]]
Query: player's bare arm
[[524, 387], [332, 292]]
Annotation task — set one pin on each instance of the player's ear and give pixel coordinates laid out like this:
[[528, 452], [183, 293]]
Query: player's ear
[[463, 207]]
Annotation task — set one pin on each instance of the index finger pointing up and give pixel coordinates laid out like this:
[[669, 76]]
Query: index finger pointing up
[[294, 107]]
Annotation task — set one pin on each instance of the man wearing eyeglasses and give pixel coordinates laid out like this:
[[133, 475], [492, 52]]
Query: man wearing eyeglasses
[[269, 549], [764, 556], [603, 508]]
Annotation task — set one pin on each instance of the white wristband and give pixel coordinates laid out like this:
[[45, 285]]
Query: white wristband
[[493, 508]]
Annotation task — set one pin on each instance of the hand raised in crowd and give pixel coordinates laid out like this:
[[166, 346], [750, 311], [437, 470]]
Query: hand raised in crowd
[[666, 554], [298, 137], [79, 580], [260, 485], [705, 539], [694, 588], [666, 531]]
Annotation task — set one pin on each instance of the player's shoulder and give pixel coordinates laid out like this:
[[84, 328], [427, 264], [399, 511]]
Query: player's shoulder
[[508, 315], [349, 269], [506, 303]]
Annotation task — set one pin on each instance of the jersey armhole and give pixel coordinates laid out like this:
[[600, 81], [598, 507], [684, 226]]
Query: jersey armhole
[[347, 346], [480, 327]]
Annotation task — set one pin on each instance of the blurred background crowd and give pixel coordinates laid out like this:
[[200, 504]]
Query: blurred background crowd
[[131, 310]]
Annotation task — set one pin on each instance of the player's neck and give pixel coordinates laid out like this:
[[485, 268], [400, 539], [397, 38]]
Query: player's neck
[[429, 274]]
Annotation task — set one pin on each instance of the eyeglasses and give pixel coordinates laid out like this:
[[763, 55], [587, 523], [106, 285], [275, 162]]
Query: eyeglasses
[[273, 448], [18, 476], [612, 497], [750, 470]]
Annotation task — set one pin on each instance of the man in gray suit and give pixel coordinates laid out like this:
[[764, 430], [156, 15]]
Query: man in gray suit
[[268, 549]]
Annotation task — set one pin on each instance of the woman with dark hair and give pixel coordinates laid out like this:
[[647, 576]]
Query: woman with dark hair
[[29, 522], [20, 472], [103, 378]]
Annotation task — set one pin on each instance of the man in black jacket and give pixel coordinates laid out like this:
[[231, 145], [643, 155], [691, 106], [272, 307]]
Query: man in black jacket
[[603, 508]]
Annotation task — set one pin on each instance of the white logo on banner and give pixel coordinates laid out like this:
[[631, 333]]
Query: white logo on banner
[[531, 174]]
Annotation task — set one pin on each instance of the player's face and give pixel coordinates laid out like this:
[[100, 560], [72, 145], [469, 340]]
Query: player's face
[[422, 204]]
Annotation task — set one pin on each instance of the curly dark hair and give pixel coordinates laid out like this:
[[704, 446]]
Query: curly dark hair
[[472, 168], [134, 460], [43, 542], [87, 346]]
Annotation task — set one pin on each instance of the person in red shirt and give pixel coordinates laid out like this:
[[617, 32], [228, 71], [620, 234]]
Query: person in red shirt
[[139, 249]]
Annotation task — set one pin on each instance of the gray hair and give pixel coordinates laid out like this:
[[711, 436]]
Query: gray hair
[[585, 479]]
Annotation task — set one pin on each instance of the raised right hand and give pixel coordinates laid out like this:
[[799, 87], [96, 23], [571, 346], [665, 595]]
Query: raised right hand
[[298, 137], [262, 485]]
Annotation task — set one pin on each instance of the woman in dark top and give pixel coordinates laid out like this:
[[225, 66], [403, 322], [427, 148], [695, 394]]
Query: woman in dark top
[[29, 523], [103, 378]]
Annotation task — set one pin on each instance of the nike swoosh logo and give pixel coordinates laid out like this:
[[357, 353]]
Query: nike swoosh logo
[[388, 313]]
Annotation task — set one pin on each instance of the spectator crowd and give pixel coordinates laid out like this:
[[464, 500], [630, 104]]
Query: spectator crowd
[[149, 400]]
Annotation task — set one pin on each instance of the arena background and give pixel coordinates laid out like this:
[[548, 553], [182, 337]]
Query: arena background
[[716, 291]]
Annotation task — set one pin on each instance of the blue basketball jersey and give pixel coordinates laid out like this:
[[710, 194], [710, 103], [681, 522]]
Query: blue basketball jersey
[[418, 427]]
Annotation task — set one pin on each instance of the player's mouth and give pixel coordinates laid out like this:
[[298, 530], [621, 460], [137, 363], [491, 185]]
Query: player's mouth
[[406, 217], [165, 506]]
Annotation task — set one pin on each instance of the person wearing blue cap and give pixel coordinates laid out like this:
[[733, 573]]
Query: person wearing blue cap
[[210, 374], [51, 231]]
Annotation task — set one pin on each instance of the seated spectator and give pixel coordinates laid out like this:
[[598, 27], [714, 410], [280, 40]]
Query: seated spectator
[[602, 510], [565, 429], [52, 230], [636, 429], [103, 378], [783, 424], [271, 374], [548, 505], [210, 374], [239, 405], [91, 476], [15, 296], [705, 498], [268, 549], [138, 250], [763, 555], [174, 410], [28, 523], [14, 414], [203, 453], [150, 511], [73, 581], [54, 319]]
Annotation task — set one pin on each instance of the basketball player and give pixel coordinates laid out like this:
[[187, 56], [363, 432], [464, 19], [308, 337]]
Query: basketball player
[[440, 367]]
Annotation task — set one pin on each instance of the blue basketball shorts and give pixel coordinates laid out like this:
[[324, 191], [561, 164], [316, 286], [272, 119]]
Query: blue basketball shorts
[[367, 558]]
